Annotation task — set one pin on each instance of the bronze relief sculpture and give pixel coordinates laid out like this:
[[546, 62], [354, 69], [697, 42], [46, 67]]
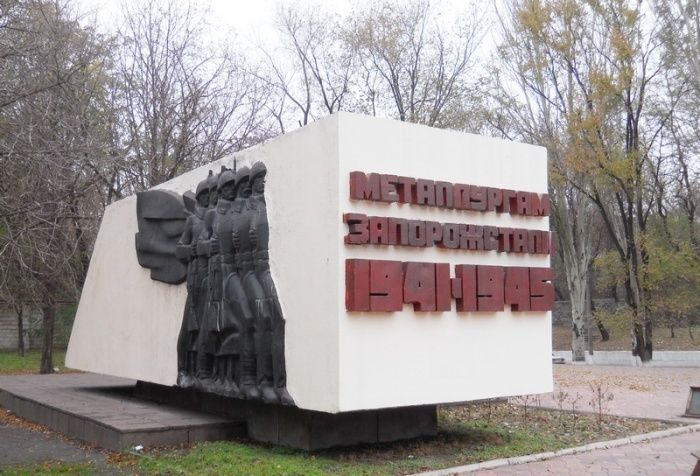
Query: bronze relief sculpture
[[231, 340]]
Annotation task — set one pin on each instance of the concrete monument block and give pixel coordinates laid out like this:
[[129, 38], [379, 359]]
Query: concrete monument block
[[411, 265]]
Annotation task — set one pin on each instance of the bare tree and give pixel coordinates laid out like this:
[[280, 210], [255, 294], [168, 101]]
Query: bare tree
[[47, 211], [403, 61], [680, 32], [414, 65], [184, 102], [310, 69], [23, 42]]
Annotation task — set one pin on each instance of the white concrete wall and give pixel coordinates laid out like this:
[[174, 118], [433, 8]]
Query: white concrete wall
[[302, 202], [127, 324], [409, 358]]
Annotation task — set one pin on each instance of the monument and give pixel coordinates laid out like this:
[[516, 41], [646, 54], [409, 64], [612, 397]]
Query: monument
[[332, 285]]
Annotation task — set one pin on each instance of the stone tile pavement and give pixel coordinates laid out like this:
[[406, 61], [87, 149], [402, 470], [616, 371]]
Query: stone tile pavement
[[647, 392], [103, 399], [98, 409], [669, 456], [23, 446], [642, 392]]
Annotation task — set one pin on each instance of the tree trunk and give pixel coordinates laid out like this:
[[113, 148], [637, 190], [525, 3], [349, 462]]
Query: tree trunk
[[49, 316], [642, 333], [578, 294], [20, 331], [604, 333], [641, 322]]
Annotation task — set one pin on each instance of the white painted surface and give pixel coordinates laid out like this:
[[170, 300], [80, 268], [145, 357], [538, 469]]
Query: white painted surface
[[301, 203], [409, 358], [127, 324]]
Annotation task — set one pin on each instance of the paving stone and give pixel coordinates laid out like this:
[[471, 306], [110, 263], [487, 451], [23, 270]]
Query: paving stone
[[99, 409], [22, 446], [648, 392]]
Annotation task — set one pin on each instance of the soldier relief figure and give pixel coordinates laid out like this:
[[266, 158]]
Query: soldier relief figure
[[186, 252], [231, 340]]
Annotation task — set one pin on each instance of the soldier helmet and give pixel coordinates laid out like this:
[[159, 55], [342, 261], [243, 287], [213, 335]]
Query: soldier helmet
[[226, 176], [203, 186], [243, 174], [258, 168], [212, 181]]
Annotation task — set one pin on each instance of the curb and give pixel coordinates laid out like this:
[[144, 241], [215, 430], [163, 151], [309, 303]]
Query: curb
[[601, 445]]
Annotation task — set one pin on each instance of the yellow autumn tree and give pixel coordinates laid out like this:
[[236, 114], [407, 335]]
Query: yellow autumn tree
[[592, 64]]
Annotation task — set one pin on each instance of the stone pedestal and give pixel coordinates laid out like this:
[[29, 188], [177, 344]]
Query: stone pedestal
[[303, 429], [102, 411]]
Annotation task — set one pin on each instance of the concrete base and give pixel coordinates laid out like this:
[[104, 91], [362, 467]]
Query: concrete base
[[311, 430], [101, 411], [304, 429], [117, 413]]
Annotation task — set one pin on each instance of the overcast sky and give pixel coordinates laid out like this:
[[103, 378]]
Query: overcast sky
[[251, 20]]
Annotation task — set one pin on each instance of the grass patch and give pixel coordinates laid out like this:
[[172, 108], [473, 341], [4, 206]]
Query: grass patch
[[239, 458], [51, 468], [13, 364], [467, 434]]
